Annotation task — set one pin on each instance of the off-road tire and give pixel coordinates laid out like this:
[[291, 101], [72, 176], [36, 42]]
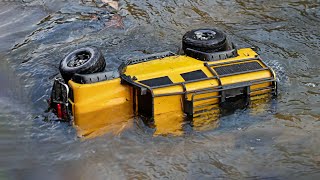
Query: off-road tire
[[95, 63], [216, 43]]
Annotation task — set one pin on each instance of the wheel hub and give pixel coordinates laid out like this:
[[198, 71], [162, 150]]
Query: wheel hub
[[79, 59], [205, 34]]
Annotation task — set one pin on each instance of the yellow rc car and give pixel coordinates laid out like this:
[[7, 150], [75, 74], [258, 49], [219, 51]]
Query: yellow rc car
[[163, 89]]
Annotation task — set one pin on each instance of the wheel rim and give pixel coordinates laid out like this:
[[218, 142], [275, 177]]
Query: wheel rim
[[204, 35], [79, 59]]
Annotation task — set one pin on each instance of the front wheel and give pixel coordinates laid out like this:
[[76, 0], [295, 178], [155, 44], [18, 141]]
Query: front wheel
[[85, 60]]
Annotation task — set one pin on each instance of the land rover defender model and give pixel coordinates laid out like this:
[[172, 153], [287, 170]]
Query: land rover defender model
[[164, 89]]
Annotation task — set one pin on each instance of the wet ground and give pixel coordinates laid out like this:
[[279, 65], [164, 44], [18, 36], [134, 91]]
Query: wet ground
[[276, 140]]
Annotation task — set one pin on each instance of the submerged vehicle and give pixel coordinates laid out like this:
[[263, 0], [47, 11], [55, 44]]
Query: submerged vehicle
[[164, 89]]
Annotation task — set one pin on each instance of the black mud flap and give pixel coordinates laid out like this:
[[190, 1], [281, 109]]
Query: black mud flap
[[233, 99], [145, 104], [59, 100], [142, 98]]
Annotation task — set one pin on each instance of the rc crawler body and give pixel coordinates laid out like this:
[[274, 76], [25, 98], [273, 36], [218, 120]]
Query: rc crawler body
[[164, 89]]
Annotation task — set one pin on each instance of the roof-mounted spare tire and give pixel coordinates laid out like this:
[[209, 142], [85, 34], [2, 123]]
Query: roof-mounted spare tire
[[206, 40], [85, 60]]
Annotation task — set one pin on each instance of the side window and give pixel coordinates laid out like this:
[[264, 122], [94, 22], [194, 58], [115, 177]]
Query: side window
[[157, 81], [193, 75]]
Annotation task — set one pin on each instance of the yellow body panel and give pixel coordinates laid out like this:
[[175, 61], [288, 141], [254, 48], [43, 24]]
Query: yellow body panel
[[97, 105], [169, 123], [100, 104], [167, 104]]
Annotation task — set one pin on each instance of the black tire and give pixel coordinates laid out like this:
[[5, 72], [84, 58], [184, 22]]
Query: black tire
[[85, 60], [205, 40]]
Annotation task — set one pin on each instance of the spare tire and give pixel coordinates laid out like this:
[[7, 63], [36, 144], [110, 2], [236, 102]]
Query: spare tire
[[85, 60], [206, 40]]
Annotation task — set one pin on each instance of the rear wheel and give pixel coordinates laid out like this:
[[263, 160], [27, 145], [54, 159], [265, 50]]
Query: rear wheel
[[205, 40], [85, 60]]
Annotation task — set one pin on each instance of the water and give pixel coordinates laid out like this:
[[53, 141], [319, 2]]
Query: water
[[277, 140]]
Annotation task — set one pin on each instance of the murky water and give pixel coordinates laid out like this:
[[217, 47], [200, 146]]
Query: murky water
[[277, 140]]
